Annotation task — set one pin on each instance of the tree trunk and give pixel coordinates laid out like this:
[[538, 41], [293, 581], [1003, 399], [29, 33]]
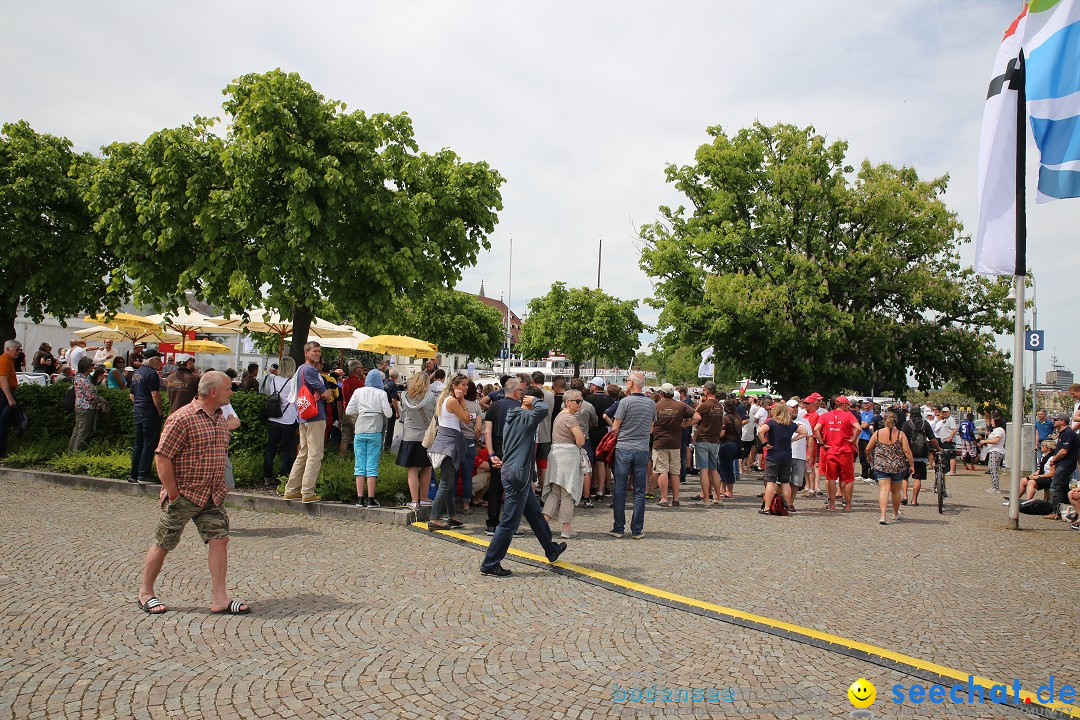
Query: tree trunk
[[577, 369], [302, 318], [9, 308]]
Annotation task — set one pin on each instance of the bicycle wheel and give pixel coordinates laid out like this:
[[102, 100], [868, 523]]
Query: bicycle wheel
[[939, 481]]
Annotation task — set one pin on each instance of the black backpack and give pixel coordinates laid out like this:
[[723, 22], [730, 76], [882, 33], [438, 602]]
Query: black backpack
[[920, 447], [69, 399], [272, 406]]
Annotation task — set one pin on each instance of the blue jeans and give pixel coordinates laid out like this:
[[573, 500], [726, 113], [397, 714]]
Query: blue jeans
[[728, 461], [629, 462], [466, 471], [520, 502], [147, 431]]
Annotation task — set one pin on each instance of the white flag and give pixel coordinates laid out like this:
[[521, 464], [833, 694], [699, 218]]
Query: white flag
[[995, 239]]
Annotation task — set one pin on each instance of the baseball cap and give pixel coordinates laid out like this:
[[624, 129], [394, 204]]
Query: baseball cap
[[149, 354], [842, 400], [667, 389], [598, 382], [1062, 417], [182, 357], [946, 409], [710, 386], [792, 403]]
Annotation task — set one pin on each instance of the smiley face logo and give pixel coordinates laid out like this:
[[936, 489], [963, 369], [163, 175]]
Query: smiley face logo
[[862, 693]]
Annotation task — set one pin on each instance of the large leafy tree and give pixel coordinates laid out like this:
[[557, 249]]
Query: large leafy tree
[[811, 276], [583, 323], [298, 202], [52, 262], [455, 321]]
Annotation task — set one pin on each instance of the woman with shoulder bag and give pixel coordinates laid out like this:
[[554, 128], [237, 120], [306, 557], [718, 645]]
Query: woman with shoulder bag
[[417, 408], [369, 407], [281, 430], [448, 450]]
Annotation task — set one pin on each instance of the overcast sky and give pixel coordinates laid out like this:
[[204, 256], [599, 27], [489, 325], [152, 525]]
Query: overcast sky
[[579, 105]]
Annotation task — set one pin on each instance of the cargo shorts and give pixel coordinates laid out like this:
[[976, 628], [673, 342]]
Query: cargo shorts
[[211, 522]]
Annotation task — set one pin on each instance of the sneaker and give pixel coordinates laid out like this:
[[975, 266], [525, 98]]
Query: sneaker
[[868, 480], [310, 499], [455, 523], [425, 503], [519, 533], [294, 495], [361, 502], [489, 531], [903, 501], [568, 535], [1007, 501], [561, 549], [372, 502], [1075, 526], [497, 571], [638, 536], [614, 534], [993, 491], [588, 504], [412, 505], [133, 481]]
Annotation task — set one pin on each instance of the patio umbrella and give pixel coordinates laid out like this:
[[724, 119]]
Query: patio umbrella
[[344, 343], [189, 321], [207, 346], [266, 321], [123, 321], [399, 345], [104, 332]]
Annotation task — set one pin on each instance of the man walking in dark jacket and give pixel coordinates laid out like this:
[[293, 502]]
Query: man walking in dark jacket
[[516, 462]]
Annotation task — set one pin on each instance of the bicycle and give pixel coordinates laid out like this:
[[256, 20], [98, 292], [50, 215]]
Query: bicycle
[[942, 458]]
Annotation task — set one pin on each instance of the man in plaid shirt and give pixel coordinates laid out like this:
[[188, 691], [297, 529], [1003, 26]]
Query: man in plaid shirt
[[191, 466]]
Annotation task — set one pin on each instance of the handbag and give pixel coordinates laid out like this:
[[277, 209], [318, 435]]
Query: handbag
[[307, 405], [431, 432]]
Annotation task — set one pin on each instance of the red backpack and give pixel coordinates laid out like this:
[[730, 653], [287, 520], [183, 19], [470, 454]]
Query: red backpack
[[777, 506]]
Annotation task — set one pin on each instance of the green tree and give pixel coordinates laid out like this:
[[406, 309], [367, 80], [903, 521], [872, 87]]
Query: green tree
[[583, 323], [455, 321], [812, 277], [297, 203], [53, 262]]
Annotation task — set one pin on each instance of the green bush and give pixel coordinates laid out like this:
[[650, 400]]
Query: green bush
[[337, 482], [48, 418], [102, 463], [247, 468], [31, 452]]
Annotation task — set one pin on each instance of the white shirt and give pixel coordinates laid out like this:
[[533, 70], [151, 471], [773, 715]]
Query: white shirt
[[798, 448], [944, 428], [77, 353], [998, 447]]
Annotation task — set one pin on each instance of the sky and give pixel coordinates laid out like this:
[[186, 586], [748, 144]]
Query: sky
[[580, 106]]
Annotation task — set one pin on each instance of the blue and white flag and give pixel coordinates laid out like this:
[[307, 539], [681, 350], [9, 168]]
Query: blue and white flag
[[1052, 46]]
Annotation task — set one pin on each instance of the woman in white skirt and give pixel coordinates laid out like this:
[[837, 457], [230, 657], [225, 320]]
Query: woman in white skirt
[[565, 478]]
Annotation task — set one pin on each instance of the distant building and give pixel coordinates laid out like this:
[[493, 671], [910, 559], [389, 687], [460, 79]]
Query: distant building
[[515, 321], [1059, 378]]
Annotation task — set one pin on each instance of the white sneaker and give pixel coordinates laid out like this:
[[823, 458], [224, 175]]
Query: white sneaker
[[568, 535], [412, 505], [993, 491], [425, 503]]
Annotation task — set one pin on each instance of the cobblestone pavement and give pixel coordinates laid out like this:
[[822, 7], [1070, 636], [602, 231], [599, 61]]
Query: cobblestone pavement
[[364, 620]]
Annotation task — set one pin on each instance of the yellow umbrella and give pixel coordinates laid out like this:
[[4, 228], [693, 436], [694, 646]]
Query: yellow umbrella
[[399, 345], [123, 321], [206, 346], [103, 332]]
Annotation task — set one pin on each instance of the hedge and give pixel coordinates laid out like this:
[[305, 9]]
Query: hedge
[[109, 452]]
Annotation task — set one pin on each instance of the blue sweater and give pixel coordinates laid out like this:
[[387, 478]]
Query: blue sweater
[[519, 442]]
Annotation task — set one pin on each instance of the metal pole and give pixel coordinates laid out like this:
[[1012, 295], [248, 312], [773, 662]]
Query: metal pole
[[1034, 370], [509, 286], [1016, 428]]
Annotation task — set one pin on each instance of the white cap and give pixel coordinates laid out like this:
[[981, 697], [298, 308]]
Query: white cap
[[598, 382], [182, 357], [793, 403], [667, 389]]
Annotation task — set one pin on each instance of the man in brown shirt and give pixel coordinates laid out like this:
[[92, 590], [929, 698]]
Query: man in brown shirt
[[671, 417], [707, 443], [182, 385], [191, 460]]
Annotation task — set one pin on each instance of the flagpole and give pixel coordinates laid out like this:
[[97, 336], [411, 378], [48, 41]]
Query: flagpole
[[1016, 428]]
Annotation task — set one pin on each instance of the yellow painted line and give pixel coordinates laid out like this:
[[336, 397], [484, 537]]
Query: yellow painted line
[[865, 648]]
